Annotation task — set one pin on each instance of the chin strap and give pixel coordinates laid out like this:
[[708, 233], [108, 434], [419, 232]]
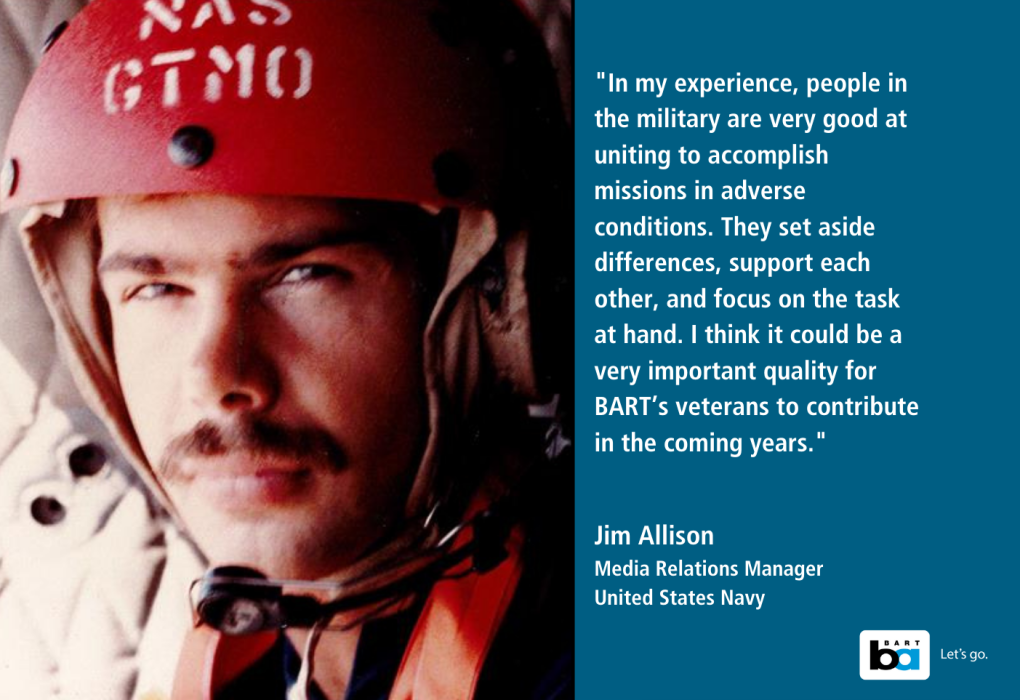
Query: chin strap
[[302, 687]]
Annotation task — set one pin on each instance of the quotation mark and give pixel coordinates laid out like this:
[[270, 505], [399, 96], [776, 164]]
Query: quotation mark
[[601, 75], [821, 436]]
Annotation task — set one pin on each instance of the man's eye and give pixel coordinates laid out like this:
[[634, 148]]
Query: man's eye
[[153, 291], [308, 273]]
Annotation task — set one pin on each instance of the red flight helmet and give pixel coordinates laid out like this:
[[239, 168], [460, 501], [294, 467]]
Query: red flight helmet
[[444, 103]]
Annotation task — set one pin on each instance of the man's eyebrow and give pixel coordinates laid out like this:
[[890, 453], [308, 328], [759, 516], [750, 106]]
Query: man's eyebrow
[[268, 254], [138, 262], [307, 241]]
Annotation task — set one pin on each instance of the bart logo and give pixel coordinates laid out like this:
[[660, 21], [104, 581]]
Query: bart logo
[[894, 655]]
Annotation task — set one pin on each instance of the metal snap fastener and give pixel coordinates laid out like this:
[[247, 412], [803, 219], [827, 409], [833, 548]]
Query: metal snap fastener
[[47, 511], [492, 287], [87, 460], [452, 173], [54, 35], [492, 280], [9, 177], [493, 283], [191, 146]]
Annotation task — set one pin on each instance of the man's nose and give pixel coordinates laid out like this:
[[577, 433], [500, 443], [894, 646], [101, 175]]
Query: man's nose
[[229, 369]]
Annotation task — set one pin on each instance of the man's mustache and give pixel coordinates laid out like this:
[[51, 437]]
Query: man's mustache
[[258, 438]]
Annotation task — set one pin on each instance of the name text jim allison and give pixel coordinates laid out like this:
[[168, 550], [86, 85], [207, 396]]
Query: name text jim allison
[[654, 534], [669, 535]]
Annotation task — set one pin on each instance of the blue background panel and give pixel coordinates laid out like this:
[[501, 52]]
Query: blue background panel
[[913, 518]]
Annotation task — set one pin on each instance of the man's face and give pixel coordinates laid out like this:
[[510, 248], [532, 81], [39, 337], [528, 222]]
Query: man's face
[[269, 350]]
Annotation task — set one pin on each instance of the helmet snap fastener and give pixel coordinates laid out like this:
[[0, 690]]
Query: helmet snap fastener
[[46, 510], [191, 147], [9, 178], [54, 35], [87, 460]]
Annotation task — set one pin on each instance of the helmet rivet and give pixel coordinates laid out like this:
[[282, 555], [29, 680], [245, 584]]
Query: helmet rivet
[[54, 35], [9, 178], [191, 146], [452, 173]]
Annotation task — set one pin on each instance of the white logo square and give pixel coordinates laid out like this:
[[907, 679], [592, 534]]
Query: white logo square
[[895, 655]]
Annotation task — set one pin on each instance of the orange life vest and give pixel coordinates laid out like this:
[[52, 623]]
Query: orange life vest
[[443, 659]]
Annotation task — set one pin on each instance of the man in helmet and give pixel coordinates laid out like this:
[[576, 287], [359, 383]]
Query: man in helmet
[[287, 247]]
